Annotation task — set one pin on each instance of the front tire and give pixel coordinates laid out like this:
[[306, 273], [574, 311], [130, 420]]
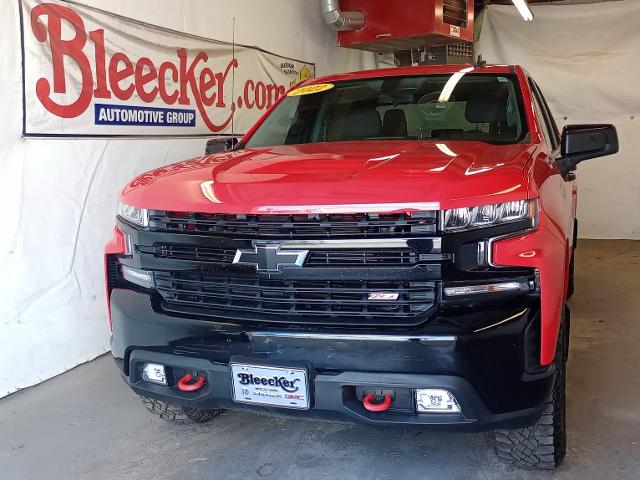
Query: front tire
[[542, 445], [177, 413]]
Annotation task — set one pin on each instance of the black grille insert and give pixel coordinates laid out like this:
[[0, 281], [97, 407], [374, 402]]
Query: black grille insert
[[295, 301], [370, 257], [360, 225], [195, 253], [113, 271]]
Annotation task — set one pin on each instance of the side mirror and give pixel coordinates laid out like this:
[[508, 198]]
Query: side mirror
[[217, 145], [582, 142]]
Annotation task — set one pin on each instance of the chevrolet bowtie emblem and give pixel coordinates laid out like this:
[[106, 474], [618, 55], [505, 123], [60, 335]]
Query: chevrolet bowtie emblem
[[269, 258]]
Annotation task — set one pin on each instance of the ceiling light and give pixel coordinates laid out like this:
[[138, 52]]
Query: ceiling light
[[523, 8]]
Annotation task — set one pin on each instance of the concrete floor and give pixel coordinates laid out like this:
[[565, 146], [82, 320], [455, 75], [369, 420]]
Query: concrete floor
[[86, 424]]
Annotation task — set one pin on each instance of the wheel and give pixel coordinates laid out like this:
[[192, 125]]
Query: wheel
[[178, 413], [571, 286], [543, 444]]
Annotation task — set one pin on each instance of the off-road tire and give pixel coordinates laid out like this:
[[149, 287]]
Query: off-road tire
[[542, 445], [178, 413]]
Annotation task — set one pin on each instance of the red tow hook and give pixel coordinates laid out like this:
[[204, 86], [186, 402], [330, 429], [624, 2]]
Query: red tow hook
[[383, 406], [185, 386]]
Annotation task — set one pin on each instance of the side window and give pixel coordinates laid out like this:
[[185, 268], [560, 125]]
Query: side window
[[552, 122], [541, 118], [548, 123]]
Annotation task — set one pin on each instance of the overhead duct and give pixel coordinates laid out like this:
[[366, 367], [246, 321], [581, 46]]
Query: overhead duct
[[339, 20]]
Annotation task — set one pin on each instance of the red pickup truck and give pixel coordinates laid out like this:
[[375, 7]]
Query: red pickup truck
[[386, 247]]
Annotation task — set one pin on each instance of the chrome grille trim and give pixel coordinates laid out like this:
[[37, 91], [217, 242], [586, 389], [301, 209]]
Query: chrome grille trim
[[432, 340], [358, 243]]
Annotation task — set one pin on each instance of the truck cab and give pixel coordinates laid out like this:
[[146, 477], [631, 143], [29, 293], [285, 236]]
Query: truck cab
[[385, 247]]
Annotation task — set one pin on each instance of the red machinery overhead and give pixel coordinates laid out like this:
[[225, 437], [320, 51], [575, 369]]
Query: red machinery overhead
[[408, 24]]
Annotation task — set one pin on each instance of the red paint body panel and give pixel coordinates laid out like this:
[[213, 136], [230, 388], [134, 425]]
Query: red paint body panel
[[389, 176], [419, 70], [340, 174], [542, 250]]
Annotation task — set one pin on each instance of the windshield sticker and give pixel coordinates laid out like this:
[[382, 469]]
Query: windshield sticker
[[310, 89]]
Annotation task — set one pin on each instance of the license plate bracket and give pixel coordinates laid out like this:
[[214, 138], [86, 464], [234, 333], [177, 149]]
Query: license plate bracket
[[284, 387]]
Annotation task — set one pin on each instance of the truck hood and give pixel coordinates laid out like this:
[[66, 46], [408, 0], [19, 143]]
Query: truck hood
[[339, 177]]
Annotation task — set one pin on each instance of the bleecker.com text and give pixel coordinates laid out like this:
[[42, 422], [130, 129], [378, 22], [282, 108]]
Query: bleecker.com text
[[119, 77]]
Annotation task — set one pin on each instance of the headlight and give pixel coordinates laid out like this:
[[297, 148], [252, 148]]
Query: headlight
[[135, 215], [468, 218]]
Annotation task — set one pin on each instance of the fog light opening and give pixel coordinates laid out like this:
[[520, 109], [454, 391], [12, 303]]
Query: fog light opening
[[433, 400], [154, 373]]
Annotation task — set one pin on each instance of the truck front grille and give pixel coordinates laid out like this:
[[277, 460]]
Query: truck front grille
[[316, 257], [297, 301], [359, 225]]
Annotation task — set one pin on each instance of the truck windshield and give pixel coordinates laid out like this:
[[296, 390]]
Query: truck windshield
[[480, 107]]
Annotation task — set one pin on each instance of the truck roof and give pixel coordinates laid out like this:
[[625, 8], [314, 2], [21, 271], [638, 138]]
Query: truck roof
[[407, 71]]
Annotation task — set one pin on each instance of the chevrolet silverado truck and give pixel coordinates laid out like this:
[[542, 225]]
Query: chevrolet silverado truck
[[385, 247]]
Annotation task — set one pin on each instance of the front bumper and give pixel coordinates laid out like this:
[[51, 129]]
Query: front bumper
[[487, 370]]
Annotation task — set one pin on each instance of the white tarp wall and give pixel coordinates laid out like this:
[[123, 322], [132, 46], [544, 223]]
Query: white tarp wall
[[584, 57], [59, 195]]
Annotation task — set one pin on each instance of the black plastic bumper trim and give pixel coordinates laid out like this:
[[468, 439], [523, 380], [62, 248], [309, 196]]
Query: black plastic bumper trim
[[333, 395]]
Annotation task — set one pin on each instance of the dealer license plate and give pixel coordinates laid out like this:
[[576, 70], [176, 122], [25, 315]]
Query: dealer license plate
[[274, 386]]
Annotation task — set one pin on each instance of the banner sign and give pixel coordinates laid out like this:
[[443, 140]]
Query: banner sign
[[92, 73]]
